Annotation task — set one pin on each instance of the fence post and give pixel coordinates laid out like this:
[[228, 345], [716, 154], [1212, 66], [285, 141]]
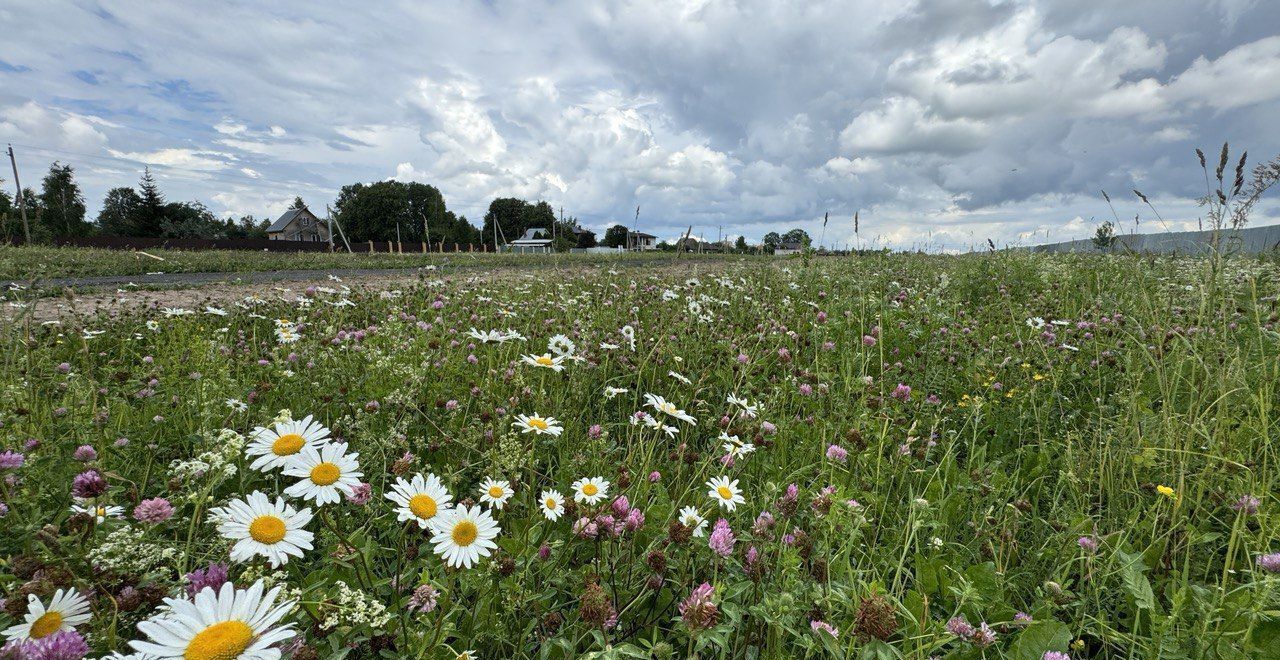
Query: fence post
[[370, 247]]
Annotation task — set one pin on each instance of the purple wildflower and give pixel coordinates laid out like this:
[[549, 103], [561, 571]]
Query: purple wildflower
[[697, 611], [823, 627], [153, 511], [85, 453], [214, 576], [11, 460], [88, 485], [1270, 563], [837, 453], [424, 599], [722, 539]]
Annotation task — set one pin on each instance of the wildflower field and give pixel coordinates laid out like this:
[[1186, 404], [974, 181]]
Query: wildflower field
[[876, 456]]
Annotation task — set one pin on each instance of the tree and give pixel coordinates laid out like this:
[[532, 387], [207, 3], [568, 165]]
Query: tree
[[771, 240], [797, 235], [149, 218], [741, 244], [373, 212], [63, 202], [615, 236], [1105, 237], [297, 204], [513, 216], [119, 211]]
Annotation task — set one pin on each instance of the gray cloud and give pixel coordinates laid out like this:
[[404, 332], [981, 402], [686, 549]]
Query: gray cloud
[[944, 121]]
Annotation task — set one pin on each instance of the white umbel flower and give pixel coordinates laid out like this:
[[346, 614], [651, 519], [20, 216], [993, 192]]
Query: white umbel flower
[[327, 473], [464, 535], [590, 490], [725, 492], [260, 527], [230, 623], [419, 499], [276, 446], [67, 610], [551, 502], [495, 493]]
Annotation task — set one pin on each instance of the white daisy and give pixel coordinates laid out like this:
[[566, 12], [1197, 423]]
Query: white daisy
[[562, 345], [462, 536], [495, 493], [327, 473], [264, 528], [610, 391], [725, 492], [230, 623], [689, 518], [276, 446], [735, 447], [749, 409], [546, 361], [590, 490], [666, 407], [67, 610], [420, 499], [537, 424], [552, 504], [100, 512]]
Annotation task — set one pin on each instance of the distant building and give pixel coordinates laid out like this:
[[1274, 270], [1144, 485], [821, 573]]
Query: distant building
[[790, 247], [298, 225], [582, 235], [638, 240], [536, 240]]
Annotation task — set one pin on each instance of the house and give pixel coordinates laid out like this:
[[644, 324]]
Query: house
[[638, 240], [789, 247], [298, 225], [583, 237], [536, 240]]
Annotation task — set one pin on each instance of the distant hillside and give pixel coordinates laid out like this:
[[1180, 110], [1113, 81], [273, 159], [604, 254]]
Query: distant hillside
[[1250, 240]]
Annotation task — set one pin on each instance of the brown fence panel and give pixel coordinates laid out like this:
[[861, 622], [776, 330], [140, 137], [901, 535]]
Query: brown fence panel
[[141, 243]]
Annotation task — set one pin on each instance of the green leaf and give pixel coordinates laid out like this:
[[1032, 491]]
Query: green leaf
[[1133, 571], [1038, 637]]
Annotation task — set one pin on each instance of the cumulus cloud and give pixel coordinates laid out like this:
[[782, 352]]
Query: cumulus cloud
[[944, 122]]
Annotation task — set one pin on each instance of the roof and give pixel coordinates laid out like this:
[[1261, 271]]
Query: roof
[[582, 230], [284, 220], [640, 234], [533, 235], [791, 245]]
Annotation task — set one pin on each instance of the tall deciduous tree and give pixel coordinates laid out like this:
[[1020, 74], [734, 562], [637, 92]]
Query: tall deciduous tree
[[615, 236], [63, 203], [119, 212], [513, 216], [372, 212]]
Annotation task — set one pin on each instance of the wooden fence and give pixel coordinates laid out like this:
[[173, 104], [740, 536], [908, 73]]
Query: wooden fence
[[257, 244]]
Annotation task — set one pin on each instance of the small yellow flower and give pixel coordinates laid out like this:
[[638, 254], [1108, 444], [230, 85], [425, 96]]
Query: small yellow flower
[[1166, 491], [1038, 377]]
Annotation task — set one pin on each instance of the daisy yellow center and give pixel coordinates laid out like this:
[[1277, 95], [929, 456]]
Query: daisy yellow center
[[545, 360], [669, 408], [288, 444], [47, 624], [495, 492], [102, 511], [551, 503], [422, 506], [465, 533], [267, 529], [325, 474], [589, 490], [725, 493], [538, 423], [221, 641]]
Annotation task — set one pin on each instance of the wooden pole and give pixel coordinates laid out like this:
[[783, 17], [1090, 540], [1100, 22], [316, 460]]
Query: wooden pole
[[22, 201]]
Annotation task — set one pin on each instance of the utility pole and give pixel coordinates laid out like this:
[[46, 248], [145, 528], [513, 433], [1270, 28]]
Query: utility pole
[[635, 229], [328, 227], [22, 202], [329, 213]]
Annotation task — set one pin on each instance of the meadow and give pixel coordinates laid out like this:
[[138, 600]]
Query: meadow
[[883, 456]]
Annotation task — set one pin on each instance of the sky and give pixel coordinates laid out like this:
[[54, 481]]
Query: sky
[[943, 123]]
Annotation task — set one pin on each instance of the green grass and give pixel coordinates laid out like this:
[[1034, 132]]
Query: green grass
[[1129, 402], [31, 263]]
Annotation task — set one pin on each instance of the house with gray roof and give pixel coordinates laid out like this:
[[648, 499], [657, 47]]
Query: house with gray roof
[[298, 225]]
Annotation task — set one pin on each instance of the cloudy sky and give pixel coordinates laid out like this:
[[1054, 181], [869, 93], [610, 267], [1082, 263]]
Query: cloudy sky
[[945, 122]]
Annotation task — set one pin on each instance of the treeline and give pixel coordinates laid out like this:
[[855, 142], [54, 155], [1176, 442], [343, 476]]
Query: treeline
[[383, 211]]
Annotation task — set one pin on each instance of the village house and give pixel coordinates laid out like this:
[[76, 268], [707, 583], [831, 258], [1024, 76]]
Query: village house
[[298, 225], [536, 240], [638, 240], [789, 248]]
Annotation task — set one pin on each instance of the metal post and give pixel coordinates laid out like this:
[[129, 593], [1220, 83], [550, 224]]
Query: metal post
[[22, 201]]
